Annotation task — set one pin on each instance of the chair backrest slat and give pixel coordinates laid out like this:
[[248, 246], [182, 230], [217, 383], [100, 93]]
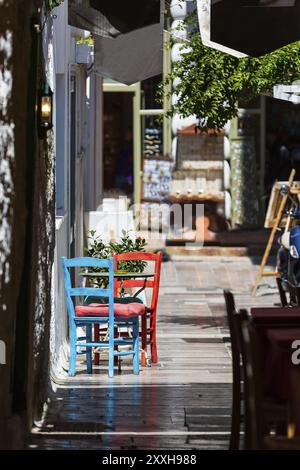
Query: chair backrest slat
[[252, 366], [134, 283], [236, 372], [88, 291], [136, 256], [244, 346], [80, 291], [87, 262]]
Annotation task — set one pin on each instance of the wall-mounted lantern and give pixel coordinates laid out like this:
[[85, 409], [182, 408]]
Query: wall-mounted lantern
[[45, 110]]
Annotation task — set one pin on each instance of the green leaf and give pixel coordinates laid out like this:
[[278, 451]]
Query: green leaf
[[213, 82]]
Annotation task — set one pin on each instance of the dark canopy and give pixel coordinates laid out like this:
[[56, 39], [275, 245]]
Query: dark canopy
[[83, 16], [254, 27], [251, 27], [128, 36], [128, 15], [109, 18]]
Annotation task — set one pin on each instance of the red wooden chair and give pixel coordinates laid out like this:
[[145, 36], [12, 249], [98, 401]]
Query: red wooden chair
[[149, 320]]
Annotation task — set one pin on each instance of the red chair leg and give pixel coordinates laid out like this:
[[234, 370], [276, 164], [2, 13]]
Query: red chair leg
[[96, 338], [144, 340], [154, 356]]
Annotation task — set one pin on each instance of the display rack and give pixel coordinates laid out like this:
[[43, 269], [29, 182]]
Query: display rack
[[157, 176]]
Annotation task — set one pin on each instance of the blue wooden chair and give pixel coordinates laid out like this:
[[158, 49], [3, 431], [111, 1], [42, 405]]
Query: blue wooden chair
[[86, 316]]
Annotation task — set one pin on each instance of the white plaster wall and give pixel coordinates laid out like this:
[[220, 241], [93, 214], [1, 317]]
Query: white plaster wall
[[94, 158], [60, 78], [59, 319], [81, 155], [110, 224], [59, 71], [62, 57]]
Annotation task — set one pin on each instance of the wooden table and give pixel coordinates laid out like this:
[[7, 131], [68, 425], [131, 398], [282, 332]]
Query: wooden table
[[279, 361], [275, 326], [283, 338], [274, 316]]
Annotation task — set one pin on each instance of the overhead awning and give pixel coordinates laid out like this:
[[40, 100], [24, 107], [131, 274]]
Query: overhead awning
[[251, 27], [82, 15], [128, 36], [131, 57], [128, 15]]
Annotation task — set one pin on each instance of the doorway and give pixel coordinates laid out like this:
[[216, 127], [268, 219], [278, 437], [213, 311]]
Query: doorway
[[118, 171], [282, 141]]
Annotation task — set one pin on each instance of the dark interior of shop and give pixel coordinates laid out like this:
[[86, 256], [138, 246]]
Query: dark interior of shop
[[118, 143], [282, 141]]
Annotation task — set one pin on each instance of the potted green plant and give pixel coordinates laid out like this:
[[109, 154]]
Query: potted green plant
[[85, 50], [100, 249]]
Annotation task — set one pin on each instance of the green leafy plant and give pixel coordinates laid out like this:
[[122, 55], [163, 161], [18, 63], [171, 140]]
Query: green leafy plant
[[211, 83], [100, 249], [88, 40]]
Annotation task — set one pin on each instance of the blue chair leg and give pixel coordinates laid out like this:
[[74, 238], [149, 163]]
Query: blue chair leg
[[89, 362], [136, 358], [73, 340], [111, 351]]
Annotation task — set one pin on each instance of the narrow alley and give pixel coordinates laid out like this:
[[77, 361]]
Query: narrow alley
[[149, 161], [185, 401]]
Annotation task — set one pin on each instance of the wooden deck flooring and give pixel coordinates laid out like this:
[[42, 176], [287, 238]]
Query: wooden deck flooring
[[184, 402]]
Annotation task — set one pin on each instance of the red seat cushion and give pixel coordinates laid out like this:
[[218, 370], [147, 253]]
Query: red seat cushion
[[133, 309]]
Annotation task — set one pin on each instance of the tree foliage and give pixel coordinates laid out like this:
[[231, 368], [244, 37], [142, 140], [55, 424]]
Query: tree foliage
[[212, 82]]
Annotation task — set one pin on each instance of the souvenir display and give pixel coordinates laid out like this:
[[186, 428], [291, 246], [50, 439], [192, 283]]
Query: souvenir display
[[157, 179], [153, 142]]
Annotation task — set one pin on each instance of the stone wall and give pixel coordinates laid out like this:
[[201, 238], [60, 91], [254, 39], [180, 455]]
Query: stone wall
[[26, 224]]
